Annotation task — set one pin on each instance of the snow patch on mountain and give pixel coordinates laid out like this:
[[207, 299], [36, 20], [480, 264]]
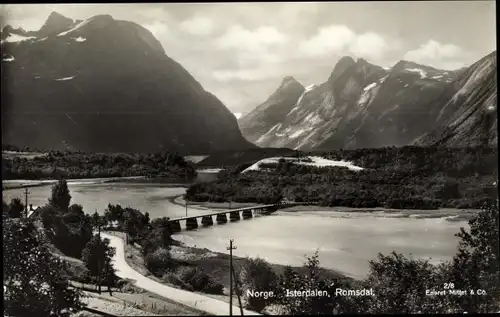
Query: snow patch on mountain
[[477, 75], [312, 118], [418, 70], [367, 93], [264, 136], [8, 59], [308, 89], [14, 38], [80, 39], [64, 78], [79, 25], [316, 161], [370, 86], [383, 79], [305, 140], [437, 77]]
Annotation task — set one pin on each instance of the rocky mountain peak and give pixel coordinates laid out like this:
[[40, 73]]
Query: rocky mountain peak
[[54, 24], [290, 82], [342, 65], [361, 61]]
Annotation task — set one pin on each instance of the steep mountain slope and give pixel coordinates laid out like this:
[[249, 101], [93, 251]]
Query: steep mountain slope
[[106, 85], [255, 124], [362, 105], [468, 115], [395, 110]]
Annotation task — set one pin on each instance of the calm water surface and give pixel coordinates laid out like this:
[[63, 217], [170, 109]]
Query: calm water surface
[[346, 241]]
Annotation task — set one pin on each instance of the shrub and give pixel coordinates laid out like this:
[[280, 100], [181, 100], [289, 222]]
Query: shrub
[[257, 275], [158, 261], [198, 280]]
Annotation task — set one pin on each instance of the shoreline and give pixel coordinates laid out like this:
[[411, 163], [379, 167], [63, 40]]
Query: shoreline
[[27, 183], [204, 257], [441, 212]]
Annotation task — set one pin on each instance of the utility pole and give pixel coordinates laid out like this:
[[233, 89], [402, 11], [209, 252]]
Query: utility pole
[[26, 193], [237, 286], [231, 248], [99, 254], [186, 203]]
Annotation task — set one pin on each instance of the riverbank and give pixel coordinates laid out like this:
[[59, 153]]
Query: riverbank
[[454, 213], [26, 183]]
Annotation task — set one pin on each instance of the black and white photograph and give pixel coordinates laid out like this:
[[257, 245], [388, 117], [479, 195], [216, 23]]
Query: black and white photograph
[[249, 158]]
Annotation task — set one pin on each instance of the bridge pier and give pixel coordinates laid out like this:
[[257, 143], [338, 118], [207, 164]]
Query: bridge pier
[[207, 221], [247, 214], [175, 226], [234, 215], [191, 223], [221, 218]]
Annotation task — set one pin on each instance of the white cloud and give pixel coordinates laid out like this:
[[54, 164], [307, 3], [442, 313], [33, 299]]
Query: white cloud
[[340, 40], [198, 26], [264, 72], [240, 74], [369, 45], [237, 37], [433, 53], [328, 40]]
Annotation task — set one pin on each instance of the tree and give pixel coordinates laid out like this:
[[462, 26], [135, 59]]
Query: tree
[[130, 226], [5, 210], [477, 263], [159, 236], [35, 283], [146, 219], [60, 196], [97, 258], [257, 275], [399, 285], [16, 208], [158, 261], [312, 280]]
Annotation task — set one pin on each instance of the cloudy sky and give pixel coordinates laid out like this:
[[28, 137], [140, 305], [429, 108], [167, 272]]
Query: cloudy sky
[[241, 51]]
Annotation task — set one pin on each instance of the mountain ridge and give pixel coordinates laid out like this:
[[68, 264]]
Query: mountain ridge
[[106, 85], [364, 105]]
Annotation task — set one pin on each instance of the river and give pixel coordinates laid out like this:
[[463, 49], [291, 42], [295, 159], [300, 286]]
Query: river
[[346, 241]]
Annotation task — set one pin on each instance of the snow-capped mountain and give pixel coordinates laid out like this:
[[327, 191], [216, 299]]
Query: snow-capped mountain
[[266, 116], [105, 85], [466, 115], [362, 105]]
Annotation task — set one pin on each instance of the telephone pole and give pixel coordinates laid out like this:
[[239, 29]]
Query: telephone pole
[[26, 193], [237, 286], [99, 254], [231, 248]]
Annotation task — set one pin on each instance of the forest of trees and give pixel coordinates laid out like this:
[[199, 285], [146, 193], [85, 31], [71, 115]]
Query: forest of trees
[[402, 178], [70, 165]]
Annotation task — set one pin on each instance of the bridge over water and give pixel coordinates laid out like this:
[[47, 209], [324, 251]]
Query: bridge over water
[[221, 217]]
